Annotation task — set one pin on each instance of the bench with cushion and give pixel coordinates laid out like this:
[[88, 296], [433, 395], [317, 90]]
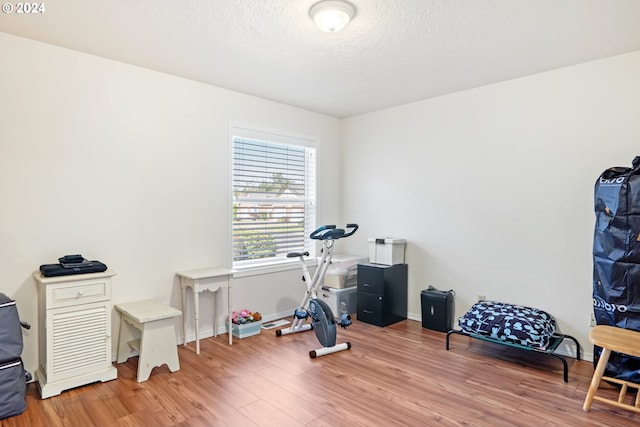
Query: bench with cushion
[[513, 325]]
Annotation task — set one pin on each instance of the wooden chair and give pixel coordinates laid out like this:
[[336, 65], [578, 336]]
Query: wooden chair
[[620, 340]]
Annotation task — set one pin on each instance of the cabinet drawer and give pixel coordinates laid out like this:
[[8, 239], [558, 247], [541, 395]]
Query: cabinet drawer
[[374, 288], [370, 279], [64, 295], [370, 308]]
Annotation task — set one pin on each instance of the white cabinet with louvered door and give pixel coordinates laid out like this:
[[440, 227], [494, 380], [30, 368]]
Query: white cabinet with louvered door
[[74, 329]]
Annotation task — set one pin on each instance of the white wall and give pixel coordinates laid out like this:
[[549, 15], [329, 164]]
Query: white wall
[[493, 187], [131, 167]]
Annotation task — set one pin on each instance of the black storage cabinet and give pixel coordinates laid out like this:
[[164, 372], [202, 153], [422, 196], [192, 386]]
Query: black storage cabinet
[[382, 293], [437, 309]]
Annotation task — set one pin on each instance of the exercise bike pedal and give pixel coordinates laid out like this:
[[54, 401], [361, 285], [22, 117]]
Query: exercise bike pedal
[[301, 313], [345, 320]]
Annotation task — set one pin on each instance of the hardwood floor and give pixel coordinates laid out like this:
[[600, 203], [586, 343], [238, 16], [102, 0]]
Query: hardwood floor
[[400, 375]]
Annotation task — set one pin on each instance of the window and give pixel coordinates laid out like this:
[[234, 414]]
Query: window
[[273, 196]]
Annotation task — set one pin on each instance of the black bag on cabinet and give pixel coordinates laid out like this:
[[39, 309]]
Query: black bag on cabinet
[[72, 264], [13, 377]]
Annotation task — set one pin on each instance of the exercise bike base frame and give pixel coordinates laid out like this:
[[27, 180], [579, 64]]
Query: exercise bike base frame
[[329, 350], [293, 330]]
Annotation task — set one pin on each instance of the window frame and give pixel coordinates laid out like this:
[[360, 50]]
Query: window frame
[[278, 263]]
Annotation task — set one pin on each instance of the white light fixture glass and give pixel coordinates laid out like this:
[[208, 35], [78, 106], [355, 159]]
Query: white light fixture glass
[[332, 15]]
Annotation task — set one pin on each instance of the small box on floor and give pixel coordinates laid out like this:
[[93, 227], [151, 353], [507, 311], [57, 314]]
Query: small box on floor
[[437, 309], [245, 330]]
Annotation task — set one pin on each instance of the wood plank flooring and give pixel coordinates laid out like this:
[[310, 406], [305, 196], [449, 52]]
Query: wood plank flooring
[[400, 375]]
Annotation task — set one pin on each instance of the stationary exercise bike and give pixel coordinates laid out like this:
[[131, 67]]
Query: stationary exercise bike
[[322, 319]]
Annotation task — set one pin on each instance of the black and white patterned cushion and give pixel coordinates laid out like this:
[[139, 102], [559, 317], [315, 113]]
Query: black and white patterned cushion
[[518, 324]]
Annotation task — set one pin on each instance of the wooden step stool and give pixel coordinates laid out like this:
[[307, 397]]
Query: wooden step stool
[[148, 327], [620, 340]]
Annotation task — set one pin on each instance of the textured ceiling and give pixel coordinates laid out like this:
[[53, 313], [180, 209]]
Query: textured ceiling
[[393, 52]]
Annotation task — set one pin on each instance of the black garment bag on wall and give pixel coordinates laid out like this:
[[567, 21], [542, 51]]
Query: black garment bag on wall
[[616, 260]]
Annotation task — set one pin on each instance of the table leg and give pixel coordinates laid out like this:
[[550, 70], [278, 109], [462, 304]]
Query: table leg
[[196, 311], [215, 312], [124, 337], [595, 380], [229, 313], [184, 310]]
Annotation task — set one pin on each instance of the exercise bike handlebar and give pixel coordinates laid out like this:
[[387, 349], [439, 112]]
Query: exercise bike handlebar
[[353, 228], [330, 232]]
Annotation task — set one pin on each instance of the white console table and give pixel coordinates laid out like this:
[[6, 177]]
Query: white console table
[[204, 279]]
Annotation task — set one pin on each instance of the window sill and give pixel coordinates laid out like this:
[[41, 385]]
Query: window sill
[[257, 270]]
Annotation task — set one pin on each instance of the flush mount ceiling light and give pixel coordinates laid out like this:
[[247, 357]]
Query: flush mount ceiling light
[[332, 15]]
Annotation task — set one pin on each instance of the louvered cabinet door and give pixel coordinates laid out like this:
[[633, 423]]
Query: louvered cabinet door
[[74, 329], [78, 340]]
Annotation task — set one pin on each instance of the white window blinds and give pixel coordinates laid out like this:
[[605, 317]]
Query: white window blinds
[[273, 199]]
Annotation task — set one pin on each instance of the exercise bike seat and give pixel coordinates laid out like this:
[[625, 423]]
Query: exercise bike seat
[[297, 254]]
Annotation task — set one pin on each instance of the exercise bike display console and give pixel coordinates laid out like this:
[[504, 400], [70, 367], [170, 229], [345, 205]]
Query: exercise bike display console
[[323, 321]]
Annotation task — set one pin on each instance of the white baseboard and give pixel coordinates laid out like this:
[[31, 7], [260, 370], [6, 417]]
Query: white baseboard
[[567, 348]]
